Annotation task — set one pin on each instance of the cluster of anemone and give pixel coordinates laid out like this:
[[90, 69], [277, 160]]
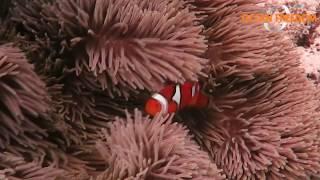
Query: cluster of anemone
[[76, 71]]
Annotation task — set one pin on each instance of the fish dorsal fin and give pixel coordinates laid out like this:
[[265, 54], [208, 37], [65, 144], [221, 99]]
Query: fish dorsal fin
[[177, 95]]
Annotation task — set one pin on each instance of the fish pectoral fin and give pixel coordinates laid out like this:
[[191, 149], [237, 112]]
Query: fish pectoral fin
[[173, 107]]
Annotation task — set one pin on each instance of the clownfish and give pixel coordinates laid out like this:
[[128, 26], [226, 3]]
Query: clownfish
[[172, 98]]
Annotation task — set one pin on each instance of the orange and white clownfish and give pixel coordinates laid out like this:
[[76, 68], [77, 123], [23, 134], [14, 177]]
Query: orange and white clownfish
[[176, 97]]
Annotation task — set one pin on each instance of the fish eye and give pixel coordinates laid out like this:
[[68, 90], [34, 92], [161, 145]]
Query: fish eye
[[208, 89]]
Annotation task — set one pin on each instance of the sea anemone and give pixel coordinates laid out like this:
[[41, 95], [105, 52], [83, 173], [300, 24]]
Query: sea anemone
[[141, 148], [126, 44], [27, 130], [15, 167], [79, 106], [22, 100], [78, 111], [263, 118]]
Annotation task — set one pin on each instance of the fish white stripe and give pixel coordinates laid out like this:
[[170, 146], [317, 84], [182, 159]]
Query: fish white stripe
[[177, 95], [193, 90], [163, 101]]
